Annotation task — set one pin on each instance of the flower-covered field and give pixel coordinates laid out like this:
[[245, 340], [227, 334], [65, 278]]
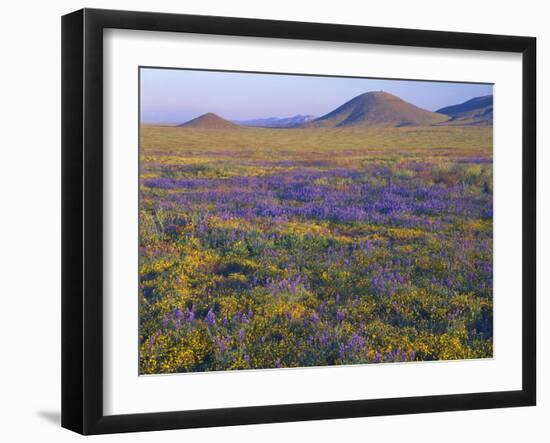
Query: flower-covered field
[[266, 248]]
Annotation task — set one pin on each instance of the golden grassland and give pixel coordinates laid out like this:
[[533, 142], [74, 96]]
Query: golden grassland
[[348, 145]]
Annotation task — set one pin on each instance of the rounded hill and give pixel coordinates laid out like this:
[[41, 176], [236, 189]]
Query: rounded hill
[[378, 109], [209, 121]]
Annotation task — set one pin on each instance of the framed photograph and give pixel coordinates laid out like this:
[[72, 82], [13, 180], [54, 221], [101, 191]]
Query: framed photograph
[[269, 221]]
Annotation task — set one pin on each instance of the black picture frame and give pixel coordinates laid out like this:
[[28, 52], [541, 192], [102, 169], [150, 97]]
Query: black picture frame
[[82, 218]]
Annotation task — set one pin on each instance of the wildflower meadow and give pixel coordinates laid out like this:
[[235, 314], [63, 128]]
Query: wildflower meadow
[[270, 248]]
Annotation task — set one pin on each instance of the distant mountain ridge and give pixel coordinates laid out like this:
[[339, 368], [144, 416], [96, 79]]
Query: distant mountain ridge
[[477, 111], [377, 109], [371, 109], [276, 122]]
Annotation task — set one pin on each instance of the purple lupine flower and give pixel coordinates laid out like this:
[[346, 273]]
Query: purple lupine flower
[[247, 359], [178, 314], [355, 341], [190, 313], [166, 320], [340, 315], [225, 321], [210, 318], [321, 309], [314, 318], [241, 335], [377, 357], [278, 363], [342, 350]]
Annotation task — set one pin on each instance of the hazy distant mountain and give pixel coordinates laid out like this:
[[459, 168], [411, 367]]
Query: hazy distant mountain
[[209, 121], [276, 122], [477, 111], [377, 109]]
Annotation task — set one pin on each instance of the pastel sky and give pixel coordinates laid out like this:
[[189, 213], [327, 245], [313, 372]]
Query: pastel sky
[[173, 96]]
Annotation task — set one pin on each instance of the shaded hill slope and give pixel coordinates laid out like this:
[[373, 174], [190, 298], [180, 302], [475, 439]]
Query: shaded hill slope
[[475, 112]]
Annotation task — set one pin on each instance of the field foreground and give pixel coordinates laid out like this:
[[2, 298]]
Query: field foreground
[[265, 248]]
